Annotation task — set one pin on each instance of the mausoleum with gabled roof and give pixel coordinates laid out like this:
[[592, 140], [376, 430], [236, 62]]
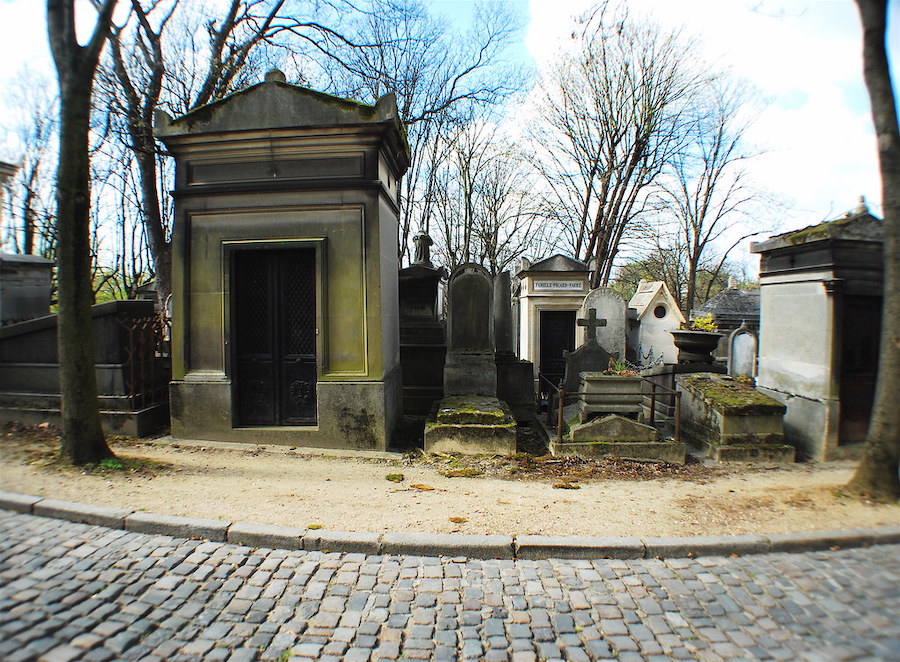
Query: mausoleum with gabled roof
[[285, 295]]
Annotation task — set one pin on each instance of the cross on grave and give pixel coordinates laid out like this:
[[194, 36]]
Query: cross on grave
[[592, 323]]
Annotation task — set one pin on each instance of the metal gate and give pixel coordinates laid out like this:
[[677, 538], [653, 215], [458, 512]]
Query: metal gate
[[274, 328]]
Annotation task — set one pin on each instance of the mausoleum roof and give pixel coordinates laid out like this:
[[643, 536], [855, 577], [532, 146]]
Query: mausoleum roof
[[276, 104], [858, 225], [556, 262], [733, 301]]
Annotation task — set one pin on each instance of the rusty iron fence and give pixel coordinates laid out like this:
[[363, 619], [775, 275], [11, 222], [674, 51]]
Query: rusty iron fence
[[146, 359], [656, 392]]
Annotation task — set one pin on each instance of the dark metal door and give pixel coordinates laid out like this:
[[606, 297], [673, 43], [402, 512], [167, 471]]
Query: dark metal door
[[274, 327], [860, 336], [557, 334]]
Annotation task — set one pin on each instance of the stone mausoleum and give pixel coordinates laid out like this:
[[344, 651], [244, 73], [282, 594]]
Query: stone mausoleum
[[820, 323], [285, 316]]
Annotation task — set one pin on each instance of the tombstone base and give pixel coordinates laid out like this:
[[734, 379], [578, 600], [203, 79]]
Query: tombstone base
[[473, 425], [470, 374], [661, 451]]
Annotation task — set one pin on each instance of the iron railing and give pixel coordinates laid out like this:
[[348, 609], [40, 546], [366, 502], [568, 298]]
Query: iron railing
[[657, 391]]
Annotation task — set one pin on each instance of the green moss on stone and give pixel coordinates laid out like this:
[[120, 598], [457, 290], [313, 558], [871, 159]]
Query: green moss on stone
[[730, 396], [472, 410]]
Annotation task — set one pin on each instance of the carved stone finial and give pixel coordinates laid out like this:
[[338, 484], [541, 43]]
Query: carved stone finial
[[862, 207], [275, 76]]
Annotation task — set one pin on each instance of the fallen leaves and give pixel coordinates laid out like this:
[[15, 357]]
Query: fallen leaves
[[395, 478], [468, 472], [421, 487], [458, 520]]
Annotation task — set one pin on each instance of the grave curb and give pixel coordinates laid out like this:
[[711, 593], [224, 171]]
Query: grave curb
[[529, 547]]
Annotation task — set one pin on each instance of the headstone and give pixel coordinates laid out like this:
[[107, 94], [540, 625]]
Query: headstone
[[610, 324], [742, 352], [515, 385], [590, 357], [470, 367], [422, 344], [503, 325]]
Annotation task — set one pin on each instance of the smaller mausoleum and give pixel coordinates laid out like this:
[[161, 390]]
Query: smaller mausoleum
[[820, 327]]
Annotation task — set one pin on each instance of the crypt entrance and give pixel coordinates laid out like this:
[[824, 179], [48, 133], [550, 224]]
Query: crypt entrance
[[274, 336]]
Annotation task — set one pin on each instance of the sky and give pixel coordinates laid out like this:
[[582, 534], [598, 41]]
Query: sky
[[815, 131]]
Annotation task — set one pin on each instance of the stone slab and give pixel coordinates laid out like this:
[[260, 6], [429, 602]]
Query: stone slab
[[341, 541], [20, 503], [662, 451], [471, 439], [179, 527], [428, 544], [578, 547], [613, 428], [265, 535], [706, 546], [82, 512]]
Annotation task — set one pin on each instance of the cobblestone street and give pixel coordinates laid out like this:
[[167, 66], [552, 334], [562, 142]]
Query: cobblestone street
[[78, 592]]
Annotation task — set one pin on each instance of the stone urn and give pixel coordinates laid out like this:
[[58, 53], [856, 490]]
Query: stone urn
[[695, 346]]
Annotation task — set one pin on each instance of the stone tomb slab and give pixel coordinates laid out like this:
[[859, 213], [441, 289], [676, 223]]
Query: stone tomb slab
[[619, 437], [472, 425]]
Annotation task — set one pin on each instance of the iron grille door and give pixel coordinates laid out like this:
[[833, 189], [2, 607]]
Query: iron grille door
[[557, 334], [275, 337]]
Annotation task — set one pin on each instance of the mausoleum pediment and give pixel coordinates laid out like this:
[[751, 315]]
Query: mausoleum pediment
[[276, 104]]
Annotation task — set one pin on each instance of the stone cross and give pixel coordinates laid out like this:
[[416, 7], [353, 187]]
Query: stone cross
[[592, 323]]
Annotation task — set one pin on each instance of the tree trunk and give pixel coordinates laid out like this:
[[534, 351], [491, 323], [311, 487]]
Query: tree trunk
[[82, 435], [877, 474]]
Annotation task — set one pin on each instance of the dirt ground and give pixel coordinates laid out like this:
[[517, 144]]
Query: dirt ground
[[521, 494]]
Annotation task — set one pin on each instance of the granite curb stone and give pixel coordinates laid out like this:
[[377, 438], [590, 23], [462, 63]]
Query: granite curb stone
[[810, 541], [578, 547], [453, 545], [20, 503], [113, 518], [265, 535], [322, 540], [705, 546], [448, 544], [179, 527]]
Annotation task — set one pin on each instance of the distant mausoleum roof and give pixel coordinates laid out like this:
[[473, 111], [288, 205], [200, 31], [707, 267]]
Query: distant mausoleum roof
[[554, 263], [732, 302]]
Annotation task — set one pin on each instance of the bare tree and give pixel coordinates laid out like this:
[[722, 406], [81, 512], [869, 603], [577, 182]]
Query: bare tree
[[617, 109], [481, 200], [442, 79], [877, 474], [705, 187], [82, 435], [31, 191]]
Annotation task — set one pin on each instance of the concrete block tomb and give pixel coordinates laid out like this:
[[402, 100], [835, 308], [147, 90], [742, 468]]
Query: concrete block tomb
[[285, 286], [732, 420]]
